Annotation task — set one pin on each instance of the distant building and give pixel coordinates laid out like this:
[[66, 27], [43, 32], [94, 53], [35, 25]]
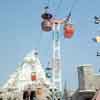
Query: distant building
[[89, 83]]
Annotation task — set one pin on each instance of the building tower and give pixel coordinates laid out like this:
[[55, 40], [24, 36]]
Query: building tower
[[86, 82], [86, 78]]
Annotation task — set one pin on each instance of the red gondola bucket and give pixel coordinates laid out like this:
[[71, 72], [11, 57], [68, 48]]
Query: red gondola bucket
[[68, 30]]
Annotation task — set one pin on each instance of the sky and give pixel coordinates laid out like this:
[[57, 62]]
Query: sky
[[20, 33]]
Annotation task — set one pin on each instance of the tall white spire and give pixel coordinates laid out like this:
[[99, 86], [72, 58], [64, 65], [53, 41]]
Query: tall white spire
[[56, 58]]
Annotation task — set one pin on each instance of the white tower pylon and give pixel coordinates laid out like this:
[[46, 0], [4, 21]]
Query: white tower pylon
[[57, 78]]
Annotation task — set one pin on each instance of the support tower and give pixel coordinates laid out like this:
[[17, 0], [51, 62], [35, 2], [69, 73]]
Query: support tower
[[57, 82]]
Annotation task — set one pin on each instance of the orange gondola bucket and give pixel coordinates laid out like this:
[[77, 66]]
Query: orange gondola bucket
[[68, 30]]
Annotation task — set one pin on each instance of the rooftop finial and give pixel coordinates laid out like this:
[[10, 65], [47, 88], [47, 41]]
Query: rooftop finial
[[36, 52]]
